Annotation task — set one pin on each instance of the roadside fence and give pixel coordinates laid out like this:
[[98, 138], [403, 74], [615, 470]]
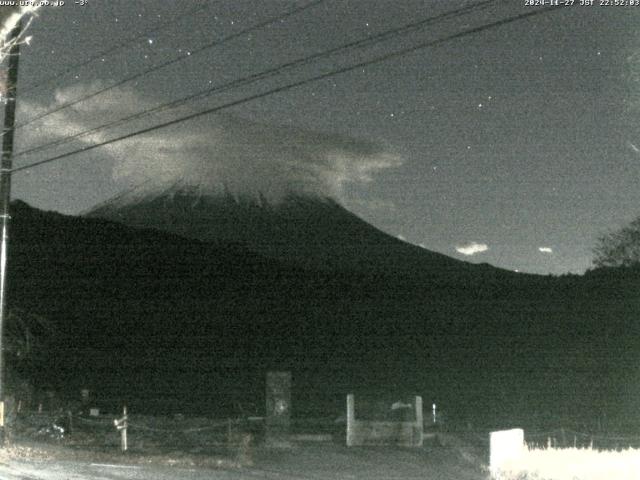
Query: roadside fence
[[141, 433]]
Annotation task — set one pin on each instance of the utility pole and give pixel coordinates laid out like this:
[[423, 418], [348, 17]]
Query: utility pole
[[6, 166]]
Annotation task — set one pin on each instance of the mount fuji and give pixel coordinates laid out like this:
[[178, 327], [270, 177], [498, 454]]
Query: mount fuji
[[308, 230]]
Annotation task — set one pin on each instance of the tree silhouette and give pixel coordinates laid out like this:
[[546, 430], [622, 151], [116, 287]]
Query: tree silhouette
[[25, 332], [620, 248]]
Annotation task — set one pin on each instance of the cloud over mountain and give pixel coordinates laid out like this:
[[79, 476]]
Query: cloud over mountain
[[218, 153]]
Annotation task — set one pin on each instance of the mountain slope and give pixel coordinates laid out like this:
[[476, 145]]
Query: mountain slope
[[311, 231]]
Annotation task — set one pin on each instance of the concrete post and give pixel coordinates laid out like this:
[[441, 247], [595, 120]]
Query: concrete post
[[506, 448], [419, 428], [278, 410], [351, 419]]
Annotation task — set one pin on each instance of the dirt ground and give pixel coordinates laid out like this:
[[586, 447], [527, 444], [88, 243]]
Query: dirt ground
[[304, 461], [445, 456], [322, 461]]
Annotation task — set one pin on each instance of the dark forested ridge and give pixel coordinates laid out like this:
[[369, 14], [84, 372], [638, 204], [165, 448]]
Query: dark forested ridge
[[142, 314]]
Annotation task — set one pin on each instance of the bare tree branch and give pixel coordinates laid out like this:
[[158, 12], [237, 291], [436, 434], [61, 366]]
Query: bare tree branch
[[620, 248]]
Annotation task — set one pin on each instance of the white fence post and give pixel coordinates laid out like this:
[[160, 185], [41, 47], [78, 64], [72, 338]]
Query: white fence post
[[121, 424]]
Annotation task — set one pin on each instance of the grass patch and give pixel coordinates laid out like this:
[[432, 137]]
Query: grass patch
[[573, 464]]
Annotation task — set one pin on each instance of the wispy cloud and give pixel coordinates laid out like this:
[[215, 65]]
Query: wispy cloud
[[220, 152], [472, 248]]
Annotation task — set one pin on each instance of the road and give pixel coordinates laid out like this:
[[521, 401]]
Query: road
[[56, 470]]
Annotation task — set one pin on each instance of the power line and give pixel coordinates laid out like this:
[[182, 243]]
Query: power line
[[365, 42], [116, 47], [376, 60], [175, 60]]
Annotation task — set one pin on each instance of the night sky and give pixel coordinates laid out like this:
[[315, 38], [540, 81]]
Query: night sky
[[517, 145]]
